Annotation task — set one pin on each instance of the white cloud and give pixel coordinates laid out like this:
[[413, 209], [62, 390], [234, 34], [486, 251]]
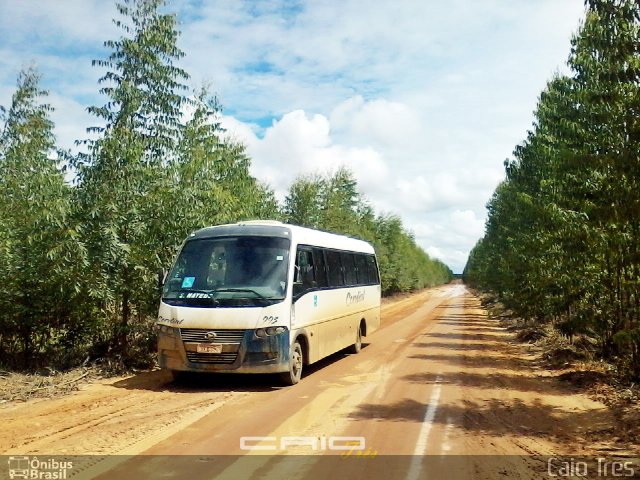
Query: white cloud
[[380, 123], [299, 144], [450, 235], [71, 119]]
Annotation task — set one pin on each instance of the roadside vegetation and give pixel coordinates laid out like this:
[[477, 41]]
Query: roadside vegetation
[[79, 259], [562, 240]]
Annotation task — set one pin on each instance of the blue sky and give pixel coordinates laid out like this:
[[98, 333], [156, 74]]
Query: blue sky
[[422, 99]]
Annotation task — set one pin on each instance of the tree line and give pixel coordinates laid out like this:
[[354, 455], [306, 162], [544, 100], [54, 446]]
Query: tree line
[[78, 259], [331, 202], [562, 242]]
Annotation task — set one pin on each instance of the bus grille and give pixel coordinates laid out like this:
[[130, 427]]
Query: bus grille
[[198, 335], [217, 358]]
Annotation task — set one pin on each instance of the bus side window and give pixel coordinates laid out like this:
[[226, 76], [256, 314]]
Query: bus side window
[[304, 275], [320, 268], [362, 270], [373, 274], [334, 268], [349, 268]]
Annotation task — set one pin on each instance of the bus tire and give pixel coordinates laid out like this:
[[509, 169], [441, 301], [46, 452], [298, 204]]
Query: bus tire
[[357, 346], [296, 361]]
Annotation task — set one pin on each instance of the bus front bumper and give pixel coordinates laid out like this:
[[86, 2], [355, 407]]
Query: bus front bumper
[[252, 355]]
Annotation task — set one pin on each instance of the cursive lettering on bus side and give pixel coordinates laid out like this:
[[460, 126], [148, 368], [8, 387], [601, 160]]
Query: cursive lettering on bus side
[[357, 297], [171, 321]]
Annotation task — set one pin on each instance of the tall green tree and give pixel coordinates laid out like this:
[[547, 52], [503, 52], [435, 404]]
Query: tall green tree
[[606, 59], [561, 239], [210, 182], [341, 202], [303, 204], [122, 178], [40, 249]]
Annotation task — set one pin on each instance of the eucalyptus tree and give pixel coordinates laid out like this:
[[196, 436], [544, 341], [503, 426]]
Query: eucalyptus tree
[[404, 265], [606, 61], [39, 246], [303, 204], [123, 178], [340, 202], [211, 178], [328, 202], [562, 234], [533, 222]]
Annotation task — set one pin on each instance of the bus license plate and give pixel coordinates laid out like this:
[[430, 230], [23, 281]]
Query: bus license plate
[[205, 348]]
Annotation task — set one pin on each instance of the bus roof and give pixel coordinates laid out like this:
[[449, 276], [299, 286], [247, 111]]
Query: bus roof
[[298, 235]]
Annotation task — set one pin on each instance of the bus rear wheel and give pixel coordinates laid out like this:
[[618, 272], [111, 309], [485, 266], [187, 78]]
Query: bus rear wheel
[[295, 365], [357, 346]]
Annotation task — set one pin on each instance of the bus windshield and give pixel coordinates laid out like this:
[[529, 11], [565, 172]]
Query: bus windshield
[[232, 271]]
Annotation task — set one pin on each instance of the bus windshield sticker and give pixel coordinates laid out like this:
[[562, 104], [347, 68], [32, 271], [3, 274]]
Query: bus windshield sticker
[[188, 282], [280, 258]]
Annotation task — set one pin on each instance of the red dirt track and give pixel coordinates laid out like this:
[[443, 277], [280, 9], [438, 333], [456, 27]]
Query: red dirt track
[[439, 378]]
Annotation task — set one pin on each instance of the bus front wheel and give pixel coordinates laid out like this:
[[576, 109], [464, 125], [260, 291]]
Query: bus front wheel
[[295, 365]]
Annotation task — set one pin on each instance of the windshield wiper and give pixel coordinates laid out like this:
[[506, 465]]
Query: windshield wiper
[[257, 294]]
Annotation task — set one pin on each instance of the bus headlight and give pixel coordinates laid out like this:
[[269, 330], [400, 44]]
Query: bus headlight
[[261, 332], [275, 330], [166, 330], [267, 332]]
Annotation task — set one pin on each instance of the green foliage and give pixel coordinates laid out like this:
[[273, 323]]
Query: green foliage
[[561, 242], [303, 204], [39, 246], [122, 179], [150, 178], [212, 175], [332, 203]]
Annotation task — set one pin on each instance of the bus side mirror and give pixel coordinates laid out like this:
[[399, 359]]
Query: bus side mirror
[[162, 277]]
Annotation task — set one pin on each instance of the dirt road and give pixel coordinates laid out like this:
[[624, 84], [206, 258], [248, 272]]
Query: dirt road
[[438, 388]]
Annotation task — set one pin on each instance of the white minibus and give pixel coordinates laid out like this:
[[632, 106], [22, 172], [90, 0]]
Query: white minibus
[[266, 297]]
